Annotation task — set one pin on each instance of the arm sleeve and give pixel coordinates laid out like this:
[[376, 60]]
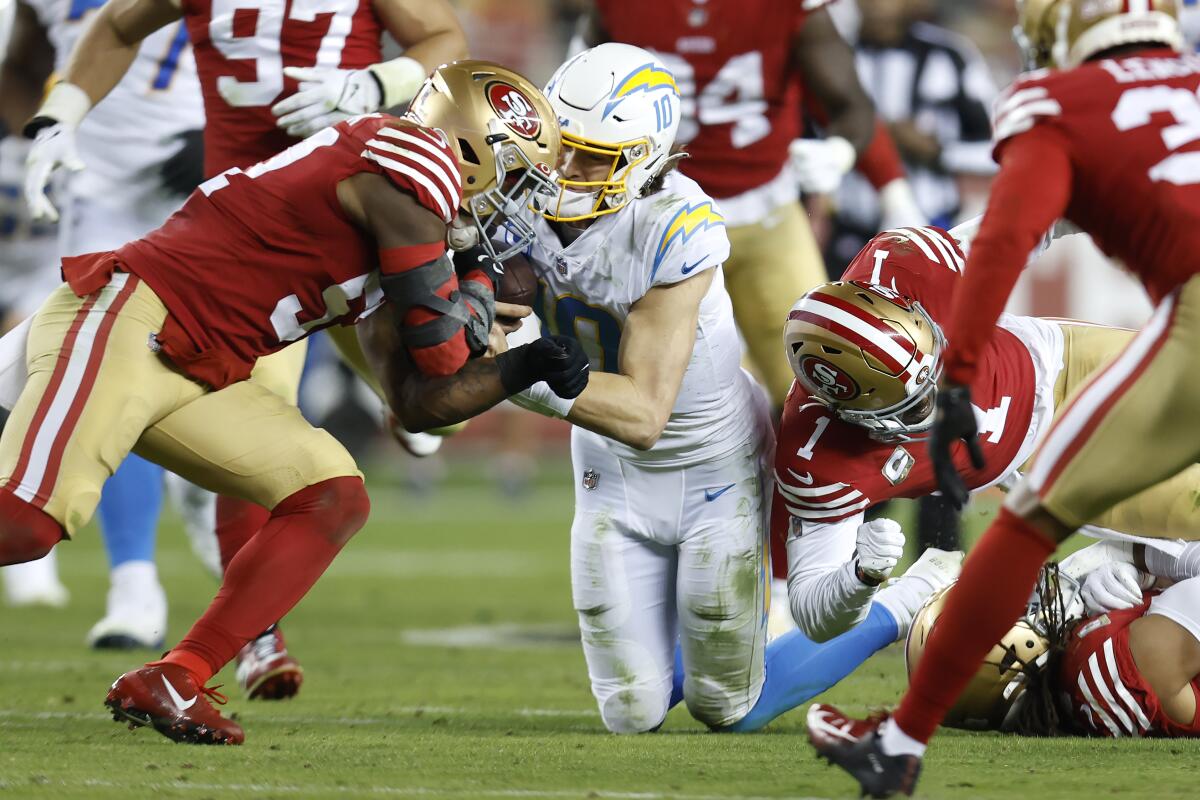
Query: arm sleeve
[[826, 597], [1031, 192], [880, 163]]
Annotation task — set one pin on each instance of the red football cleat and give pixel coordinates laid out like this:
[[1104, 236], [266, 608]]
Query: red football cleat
[[265, 669], [853, 745], [166, 697]]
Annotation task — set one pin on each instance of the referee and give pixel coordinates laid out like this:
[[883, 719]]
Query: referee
[[933, 89]]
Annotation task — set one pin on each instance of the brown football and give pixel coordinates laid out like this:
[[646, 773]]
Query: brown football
[[519, 283]]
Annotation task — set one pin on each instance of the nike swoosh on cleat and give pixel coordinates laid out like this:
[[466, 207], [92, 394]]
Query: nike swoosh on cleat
[[713, 494], [176, 698]]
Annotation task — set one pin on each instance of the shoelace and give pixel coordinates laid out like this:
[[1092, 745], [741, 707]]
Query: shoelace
[[264, 647], [212, 694]]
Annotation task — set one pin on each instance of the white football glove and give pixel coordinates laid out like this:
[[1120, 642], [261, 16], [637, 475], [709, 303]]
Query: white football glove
[[880, 548], [819, 164], [898, 206], [1113, 586], [53, 146], [326, 97]]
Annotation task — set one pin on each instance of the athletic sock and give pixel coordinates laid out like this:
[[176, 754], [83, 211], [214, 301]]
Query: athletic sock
[[989, 597], [677, 678], [274, 570], [128, 511], [799, 669], [237, 522], [896, 742], [26, 532]]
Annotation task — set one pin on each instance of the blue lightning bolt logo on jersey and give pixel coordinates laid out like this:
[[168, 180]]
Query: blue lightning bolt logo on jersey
[[687, 222], [646, 78]]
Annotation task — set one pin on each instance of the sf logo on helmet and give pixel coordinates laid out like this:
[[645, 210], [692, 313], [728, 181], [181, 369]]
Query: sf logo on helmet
[[514, 108], [828, 380]]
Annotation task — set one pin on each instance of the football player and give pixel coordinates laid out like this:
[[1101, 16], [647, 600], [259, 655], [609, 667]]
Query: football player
[[1116, 647], [270, 72], [671, 440], [1118, 85], [150, 346], [742, 69]]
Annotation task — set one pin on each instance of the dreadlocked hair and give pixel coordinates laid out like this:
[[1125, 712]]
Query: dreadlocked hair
[[1039, 712]]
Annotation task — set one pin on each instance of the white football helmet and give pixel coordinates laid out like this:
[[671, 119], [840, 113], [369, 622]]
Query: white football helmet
[[619, 101]]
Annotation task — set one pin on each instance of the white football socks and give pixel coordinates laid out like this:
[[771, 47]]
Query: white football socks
[[896, 742]]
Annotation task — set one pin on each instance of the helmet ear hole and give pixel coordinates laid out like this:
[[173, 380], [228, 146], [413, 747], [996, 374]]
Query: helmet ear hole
[[796, 347], [468, 153], [833, 351]]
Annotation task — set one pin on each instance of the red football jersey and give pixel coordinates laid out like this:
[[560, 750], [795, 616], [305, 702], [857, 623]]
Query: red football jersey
[[1108, 694], [739, 89], [1130, 127], [258, 259], [241, 48], [828, 470]]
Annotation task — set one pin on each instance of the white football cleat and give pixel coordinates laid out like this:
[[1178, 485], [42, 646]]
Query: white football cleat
[[265, 669], [35, 583], [904, 596], [136, 612]]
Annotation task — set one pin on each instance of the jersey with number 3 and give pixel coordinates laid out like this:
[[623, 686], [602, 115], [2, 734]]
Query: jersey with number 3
[[260, 258], [134, 129], [740, 91], [241, 49], [1131, 127], [828, 470]]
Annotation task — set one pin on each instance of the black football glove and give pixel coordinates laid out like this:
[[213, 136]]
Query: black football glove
[[478, 277], [557, 360], [954, 420], [184, 171]]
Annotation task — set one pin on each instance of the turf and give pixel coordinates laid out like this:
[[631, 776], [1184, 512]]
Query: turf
[[441, 661]]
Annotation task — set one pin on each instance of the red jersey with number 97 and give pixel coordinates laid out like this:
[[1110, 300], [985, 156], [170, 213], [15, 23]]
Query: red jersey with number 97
[[1131, 127], [732, 62], [241, 48]]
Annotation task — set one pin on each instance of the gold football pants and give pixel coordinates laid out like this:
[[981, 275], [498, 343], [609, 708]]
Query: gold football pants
[[770, 265], [1122, 452], [96, 391]]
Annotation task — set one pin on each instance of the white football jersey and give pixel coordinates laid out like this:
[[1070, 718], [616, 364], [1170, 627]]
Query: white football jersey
[[588, 286], [132, 131]]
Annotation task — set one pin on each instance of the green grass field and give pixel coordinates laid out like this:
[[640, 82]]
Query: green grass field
[[441, 661]]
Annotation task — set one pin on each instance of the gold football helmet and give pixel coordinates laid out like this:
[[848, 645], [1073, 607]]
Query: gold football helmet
[[871, 355], [992, 700], [505, 136], [1065, 33]]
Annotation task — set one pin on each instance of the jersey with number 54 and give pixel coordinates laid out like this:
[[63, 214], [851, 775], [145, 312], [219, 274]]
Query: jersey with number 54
[[740, 92], [828, 470], [260, 258], [132, 130], [241, 49]]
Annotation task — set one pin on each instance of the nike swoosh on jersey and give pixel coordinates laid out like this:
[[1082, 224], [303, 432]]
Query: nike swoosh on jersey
[[687, 268], [713, 494], [802, 477], [176, 698]]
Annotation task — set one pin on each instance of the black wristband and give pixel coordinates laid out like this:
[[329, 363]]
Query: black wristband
[[863, 578], [515, 374], [36, 124]]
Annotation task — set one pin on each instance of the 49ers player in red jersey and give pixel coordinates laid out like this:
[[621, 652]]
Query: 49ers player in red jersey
[[150, 346], [742, 69], [1105, 141], [271, 71]]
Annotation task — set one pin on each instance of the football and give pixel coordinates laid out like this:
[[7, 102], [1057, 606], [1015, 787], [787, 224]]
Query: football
[[518, 284]]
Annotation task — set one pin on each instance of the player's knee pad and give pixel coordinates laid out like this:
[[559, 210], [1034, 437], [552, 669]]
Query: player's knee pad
[[1181, 604], [26, 532], [634, 706], [338, 507]]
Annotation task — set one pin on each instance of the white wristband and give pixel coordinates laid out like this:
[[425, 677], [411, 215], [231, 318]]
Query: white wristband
[[400, 78], [66, 103], [542, 399]]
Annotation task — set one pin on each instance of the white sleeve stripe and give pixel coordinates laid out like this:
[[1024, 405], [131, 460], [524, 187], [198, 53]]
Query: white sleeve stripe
[[1110, 662], [917, 240], [844, 500], [837, 512], [815, 491], [1091, 698], [1006, 103], [451, 189], [417, 176], [1022, 118], [947, 248], [946, 258], [1098, 679], [425, 145]]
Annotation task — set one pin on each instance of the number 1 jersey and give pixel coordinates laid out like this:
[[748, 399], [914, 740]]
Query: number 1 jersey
[[241, 48]]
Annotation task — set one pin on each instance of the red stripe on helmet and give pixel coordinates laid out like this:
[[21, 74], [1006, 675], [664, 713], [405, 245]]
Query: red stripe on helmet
[[851, 336], [875, 322]]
